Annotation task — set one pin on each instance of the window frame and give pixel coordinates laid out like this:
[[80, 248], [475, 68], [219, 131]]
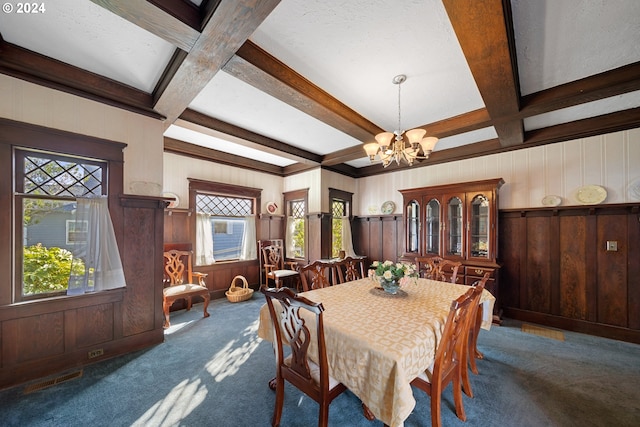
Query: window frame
[[296, 196], [18, 135], [344, 197], [198, 186]]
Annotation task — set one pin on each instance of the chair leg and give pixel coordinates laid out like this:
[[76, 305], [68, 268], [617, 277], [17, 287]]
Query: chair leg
[[277, 412], [474, 353], [206, 297], [165, 309], [457, 395], [466, 383], [436, 404], [323, 420]]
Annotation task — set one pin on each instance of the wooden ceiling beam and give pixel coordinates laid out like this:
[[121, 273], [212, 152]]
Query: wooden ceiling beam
[[484, 30], [180, 28], [467, 122], [229, 27], [194, 120], [599, 86], [442, 156], [599, 125], [256, 67], [198, 152], [39, 69]]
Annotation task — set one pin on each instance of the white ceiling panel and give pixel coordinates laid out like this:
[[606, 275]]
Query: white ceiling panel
[[233, 101], [85, 35], [559, 41], [225, 145], [354, 49]]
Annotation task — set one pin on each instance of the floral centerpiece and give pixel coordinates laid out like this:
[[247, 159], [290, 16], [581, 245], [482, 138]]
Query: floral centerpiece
[[391, 275]]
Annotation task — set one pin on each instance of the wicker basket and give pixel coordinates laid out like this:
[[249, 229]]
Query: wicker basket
[[237, 294]]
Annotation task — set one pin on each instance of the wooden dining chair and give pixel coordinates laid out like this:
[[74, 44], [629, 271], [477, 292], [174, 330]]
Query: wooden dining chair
[[449, 360], [437, 268], [475, 320], [272, 260], [316, 275], [350, 269], [291, 329], [448, 270], [427, 266], [181, 282]]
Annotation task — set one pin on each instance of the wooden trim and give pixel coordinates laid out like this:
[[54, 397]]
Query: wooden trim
[[575, 325]]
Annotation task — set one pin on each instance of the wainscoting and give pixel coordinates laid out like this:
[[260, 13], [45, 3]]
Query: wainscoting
[[48, 336], [556, 269]]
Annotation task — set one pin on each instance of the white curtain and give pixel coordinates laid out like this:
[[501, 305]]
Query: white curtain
[[288, 237], [347, 240], [204, 239], [96, 264], [249, 250]]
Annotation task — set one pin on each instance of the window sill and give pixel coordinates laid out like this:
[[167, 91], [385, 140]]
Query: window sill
[[59, 303]]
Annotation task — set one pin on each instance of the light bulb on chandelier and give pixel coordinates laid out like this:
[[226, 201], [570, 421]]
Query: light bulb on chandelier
[[391, 146]]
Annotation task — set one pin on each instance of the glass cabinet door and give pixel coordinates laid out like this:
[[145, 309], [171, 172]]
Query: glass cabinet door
[[432, 227], [479, 227], [454, 230], [413, 226]]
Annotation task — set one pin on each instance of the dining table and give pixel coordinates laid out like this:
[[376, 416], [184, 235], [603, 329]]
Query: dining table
[[377, 342]]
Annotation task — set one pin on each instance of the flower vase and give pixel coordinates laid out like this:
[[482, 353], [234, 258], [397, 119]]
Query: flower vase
[[390, 287]]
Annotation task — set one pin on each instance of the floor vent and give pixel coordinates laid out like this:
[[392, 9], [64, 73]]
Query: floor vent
[[51, 382], [543, 332]]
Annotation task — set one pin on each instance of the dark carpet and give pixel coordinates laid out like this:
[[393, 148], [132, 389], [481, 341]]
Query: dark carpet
[[214, 372]]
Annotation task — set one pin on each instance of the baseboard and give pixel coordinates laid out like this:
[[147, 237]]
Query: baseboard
[[575, 325]]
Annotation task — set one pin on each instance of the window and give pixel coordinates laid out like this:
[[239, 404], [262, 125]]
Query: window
[[297, 213], [296, 226], [340, 203], [46, 188], [227, 216], [231, 212]]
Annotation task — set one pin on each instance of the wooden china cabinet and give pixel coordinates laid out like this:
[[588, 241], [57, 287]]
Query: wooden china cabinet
[[458, 222]]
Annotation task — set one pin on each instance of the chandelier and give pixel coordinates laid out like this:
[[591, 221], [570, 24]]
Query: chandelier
[[392, 146]]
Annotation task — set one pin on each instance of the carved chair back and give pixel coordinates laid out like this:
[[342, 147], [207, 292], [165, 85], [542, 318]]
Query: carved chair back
[[178, 268], [290, 325], [315, 275], [350, 269]]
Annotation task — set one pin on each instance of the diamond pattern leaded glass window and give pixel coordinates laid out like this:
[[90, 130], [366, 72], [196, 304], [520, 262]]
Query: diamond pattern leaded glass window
[[297, 208], [224, 206], [47, 186], [62, 177], [338, 208]]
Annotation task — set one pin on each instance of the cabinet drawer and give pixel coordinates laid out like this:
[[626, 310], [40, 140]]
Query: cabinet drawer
[[478, 272], [470, 280]]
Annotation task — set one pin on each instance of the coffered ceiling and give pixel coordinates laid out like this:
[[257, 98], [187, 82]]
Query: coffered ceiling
[[283, 86]]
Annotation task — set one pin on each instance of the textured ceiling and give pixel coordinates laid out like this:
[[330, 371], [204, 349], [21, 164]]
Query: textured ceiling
[[311, 80]]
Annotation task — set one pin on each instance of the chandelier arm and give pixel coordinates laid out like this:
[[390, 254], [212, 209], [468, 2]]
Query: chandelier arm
[[394, 149]]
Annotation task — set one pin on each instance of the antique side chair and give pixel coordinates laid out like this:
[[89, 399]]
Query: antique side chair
[[180, 282]]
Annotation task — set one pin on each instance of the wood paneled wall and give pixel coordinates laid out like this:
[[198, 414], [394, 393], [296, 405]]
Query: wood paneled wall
[[40, 339], [557, 269], [179, 226], [378, 237]]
